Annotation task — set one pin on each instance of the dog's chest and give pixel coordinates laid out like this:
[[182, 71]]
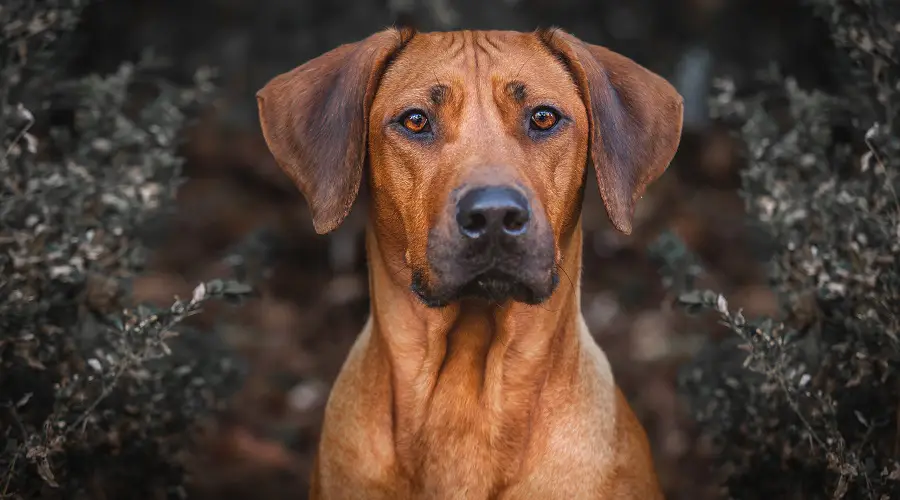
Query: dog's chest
[[467, 466], [453, 457]]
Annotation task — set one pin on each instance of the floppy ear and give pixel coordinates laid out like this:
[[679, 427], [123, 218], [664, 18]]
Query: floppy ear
[[314, 120], [635, 121]]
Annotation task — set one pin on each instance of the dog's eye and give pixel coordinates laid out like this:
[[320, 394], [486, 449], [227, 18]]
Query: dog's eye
[[544, 119], [416, 122]]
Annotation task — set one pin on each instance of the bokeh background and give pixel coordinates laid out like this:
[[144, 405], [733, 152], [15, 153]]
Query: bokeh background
[[236, 216], [300, 334]]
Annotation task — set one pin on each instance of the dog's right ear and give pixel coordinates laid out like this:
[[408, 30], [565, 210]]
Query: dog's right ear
[[314, 120]]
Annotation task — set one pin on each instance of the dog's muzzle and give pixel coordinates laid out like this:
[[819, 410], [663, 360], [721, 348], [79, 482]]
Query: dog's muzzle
[[494, 247]]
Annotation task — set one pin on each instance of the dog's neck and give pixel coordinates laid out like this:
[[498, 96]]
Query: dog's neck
[[471, 371]]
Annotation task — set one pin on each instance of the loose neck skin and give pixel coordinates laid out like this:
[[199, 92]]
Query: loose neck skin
[[479, 368]]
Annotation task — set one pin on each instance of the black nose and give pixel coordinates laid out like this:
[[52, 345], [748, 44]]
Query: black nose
[[492, 210]]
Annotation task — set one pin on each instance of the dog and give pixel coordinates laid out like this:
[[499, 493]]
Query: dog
[[475, 375]]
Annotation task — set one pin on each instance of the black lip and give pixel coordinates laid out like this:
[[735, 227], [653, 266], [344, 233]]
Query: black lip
[[492, 285], [495, 286], [420, 289]]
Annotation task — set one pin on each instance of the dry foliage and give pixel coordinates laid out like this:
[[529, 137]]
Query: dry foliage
[[807, 405], [89, 388]]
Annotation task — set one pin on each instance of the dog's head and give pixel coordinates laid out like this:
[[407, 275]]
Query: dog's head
[[477, 145]]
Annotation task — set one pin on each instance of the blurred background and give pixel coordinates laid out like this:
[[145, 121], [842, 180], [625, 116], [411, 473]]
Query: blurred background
[[237, 216], [297, 336]]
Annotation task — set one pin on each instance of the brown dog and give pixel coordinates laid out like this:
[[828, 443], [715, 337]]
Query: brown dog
[[475, 376]]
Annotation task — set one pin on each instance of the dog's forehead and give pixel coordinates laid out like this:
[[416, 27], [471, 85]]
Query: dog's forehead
[[476, 55]]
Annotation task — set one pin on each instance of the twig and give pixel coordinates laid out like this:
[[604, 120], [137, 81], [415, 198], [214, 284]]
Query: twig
[[12, 466], [18, 137]]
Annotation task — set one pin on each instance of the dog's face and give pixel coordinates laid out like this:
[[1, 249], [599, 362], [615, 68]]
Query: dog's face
[[477, 145], [477, 149]]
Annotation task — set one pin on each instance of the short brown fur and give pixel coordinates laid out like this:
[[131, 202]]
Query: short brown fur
[[473, 400]]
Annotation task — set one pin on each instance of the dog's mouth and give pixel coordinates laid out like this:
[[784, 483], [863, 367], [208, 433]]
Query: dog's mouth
[[492, 285]]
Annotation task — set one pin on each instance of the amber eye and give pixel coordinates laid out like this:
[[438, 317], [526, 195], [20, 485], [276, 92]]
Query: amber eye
[[415, 122], [544, 119]]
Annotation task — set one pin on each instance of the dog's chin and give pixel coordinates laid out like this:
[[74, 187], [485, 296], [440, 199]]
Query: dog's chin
[[492, 286]]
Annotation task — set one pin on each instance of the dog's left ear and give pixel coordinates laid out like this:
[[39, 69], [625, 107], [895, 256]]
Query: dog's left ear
[[314, 120], [635, 120]]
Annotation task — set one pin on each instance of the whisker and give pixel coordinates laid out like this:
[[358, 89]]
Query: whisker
[[559, 267], [530, 57], [437, 81]]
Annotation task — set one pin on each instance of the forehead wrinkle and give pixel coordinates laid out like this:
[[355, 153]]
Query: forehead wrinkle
[[457, 44], [418, 65], [483, 46], [423, 49], [489, 39]]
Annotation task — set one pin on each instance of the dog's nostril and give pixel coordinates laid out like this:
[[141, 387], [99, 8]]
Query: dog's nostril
[[474, 224], [514, 221], [492, 210]]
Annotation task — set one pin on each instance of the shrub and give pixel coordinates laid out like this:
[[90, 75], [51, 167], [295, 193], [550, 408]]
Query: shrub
[[807, 405], [92, 399]]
